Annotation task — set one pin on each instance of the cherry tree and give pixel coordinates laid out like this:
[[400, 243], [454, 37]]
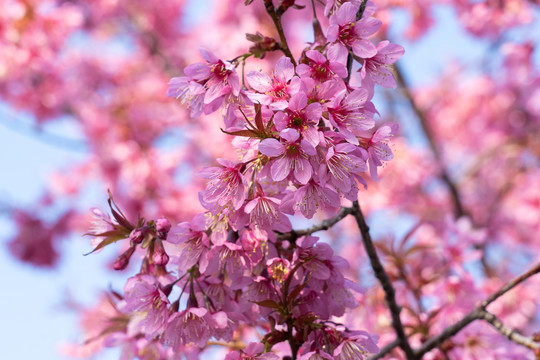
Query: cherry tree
[[249, 239]]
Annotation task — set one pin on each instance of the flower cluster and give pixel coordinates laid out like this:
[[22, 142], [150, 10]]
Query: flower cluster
[[305, 135], [306, 139]]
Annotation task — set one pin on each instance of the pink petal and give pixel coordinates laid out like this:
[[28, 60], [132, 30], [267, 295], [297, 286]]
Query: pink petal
[[331, 197], [357, 98], [339, 69], [314, 112], [391, 54], [311, 135], [291, 135], [382, 133], [254, 348], [197, 71], [225, 163], [349, 136], [364, 48], [215, 90], [384, 77], [284, 68], [373, 169], [208, 56], [316, 56], [340, 52], [221, 319], [383, 152], [282, 223], [251, 205], [306, 202], [278, 105], [200, 312], [303, 171], [295, 85], [367, 26], [208, 172], [281, 168], [308, 148], [318, 270], [259, 81], [234, 82], [346, 14], [281, 121], [345, 148], [332, 33], [302, 70], [298, 101], [271, 147]]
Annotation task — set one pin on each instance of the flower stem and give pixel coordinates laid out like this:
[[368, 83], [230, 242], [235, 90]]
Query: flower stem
[[276, 18]]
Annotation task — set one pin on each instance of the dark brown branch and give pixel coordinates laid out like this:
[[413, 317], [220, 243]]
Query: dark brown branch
[[510, 285], [459, 209], [385, 350], [511, 334], [276, 18], [380, 273], [476, 313], [324, 225], [446, 334]]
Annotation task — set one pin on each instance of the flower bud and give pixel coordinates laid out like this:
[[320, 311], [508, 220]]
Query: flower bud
[[138, 234], [159, 257], [163, 225], [123, 260], [262, 44]]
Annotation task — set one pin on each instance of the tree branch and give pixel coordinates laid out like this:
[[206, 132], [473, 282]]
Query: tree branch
[[359, 15], [510, 285], [276, 18], [325, 225], [380, 273], [476, 313], [511, 334], [446, 334], [385, 350], [459, 209]]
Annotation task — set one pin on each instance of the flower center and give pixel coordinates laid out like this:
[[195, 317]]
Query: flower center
[[297, 121], [347, 34], [219, 70]]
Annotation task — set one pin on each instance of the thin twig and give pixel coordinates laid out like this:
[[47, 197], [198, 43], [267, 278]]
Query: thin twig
[[324, 225], [385, 350], [476, 313], [276, 18], [446, 334], [380, 273], [359, 15], [459, 209], [510, 285], [511, 334]]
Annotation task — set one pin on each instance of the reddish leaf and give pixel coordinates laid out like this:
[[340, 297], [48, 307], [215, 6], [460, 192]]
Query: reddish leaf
[[258, 117], [107, 241], [268, 303], [247, 133]]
